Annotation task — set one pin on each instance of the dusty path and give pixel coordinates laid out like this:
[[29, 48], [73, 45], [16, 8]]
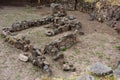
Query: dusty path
[[98, 44]]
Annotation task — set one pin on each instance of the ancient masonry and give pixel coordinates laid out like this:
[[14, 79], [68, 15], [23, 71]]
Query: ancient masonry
[[61, 22], [107, 13]]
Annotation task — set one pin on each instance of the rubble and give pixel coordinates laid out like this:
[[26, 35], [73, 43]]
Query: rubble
[[58, 10], [99, 69], [105, 12], [64, 24], [66, 41], [18, 26], [36, 57], [61, 22], [54, 49]]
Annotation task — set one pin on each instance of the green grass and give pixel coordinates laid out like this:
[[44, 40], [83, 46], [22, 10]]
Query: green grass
[[117, 47], [108, 58], [100, 55], [1, 37], [64, 49]]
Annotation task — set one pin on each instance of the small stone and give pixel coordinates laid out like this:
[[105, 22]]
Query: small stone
[[71, 17], [86, 77], [66, 67], [100, 69], [23, 58]]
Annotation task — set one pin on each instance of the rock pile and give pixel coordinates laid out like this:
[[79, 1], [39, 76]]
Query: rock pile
[[64, 24], [80, 5], [58, 10], [18, 26], [105, 12], [53, 49], [61, 23], [36, 57]]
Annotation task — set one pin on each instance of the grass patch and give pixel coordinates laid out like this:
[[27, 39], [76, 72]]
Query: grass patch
[[64, 49], [117, 47], [108, 58], [109, 77], [1, 36], [100, 55]]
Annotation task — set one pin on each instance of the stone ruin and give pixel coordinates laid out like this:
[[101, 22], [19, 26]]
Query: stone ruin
[[80, 5], [61, 22], [107, 13], [53, 49]]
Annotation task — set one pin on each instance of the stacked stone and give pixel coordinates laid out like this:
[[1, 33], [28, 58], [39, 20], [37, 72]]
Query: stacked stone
[[18, 26], [54, 48], [61, 22], [86, 7], [36, 57], [58, 10], [104, 12]]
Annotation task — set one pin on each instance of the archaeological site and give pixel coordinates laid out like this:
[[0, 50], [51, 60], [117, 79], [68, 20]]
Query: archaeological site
[[60, 40]]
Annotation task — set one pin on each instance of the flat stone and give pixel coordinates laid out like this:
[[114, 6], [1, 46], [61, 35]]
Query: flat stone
[[86, 77], [23, 58], [100, 69]]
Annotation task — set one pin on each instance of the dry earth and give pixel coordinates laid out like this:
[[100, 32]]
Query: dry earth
[[98, 44]]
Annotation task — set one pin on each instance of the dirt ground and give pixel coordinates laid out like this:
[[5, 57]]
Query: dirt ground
[[99, 43]]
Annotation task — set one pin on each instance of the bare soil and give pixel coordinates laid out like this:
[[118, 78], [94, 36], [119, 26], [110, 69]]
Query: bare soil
[[98, 44]]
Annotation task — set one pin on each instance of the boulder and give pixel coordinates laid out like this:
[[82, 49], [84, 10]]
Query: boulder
[[100, 69]]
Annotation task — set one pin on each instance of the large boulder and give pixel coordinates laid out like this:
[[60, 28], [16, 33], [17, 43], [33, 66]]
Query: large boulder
[[100, 69]]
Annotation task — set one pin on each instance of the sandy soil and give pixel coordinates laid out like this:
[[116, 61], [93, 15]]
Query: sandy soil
[[98, 44]]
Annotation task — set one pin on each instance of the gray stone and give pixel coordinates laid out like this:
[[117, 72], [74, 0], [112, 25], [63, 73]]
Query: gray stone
[[23, 58], [86, 77], [71, 17], [100, 69]]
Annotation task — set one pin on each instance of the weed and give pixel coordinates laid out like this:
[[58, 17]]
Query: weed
[[1, 36], [117, 47], [108, 57], [64, 49], [99, 55]]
